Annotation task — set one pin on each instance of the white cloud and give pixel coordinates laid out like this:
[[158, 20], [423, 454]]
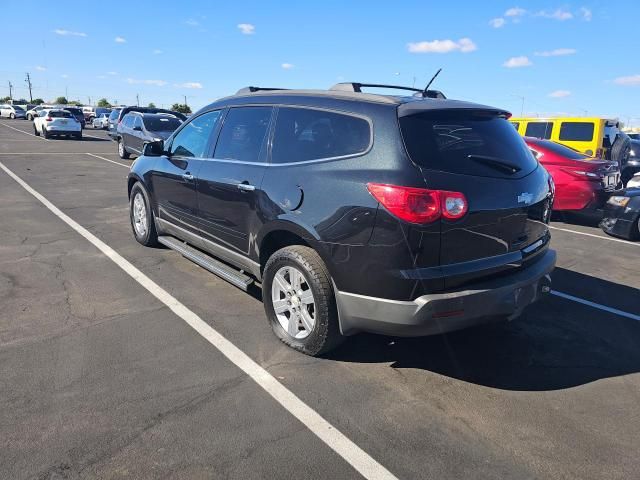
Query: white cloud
[[516, 62], [157, 52], [67, 33], [192, 22], [558, 52], [157, 83], [120, 40], [560, 94], [101, 77], [558, 14], [587, 15], [64, 75], [40, 68], [189, 85], [112, 73], [631, 80], [497, 22], [464, 45], [287, 66], [247, 28], [515, 12]]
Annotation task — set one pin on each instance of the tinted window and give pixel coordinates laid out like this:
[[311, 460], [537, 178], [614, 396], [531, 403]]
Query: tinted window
[[483, 145], [137, 121], [561, 150], [243, 134], [161, 124], [539, 130], [114, 115], [634, 136], [60, 114], [127, 121], [193, 139], [16, 107], [576, 131], [304, 134]]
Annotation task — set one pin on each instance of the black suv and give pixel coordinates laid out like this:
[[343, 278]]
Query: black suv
[[399, 215], [137, 128], [77, 114]]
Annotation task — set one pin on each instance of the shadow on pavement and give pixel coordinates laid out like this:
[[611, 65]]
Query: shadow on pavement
[[557, 344]]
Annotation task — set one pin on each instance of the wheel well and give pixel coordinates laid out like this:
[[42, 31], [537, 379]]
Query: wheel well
[[276, 240], [130, 184]]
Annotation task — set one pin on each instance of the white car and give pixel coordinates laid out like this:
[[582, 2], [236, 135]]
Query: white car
[[102, 121], [51, 122], [12, 111]]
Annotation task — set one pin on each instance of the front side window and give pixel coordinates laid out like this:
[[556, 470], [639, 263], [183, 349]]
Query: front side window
[[193, 139], [243, 134], [304, 134], [577, 131], [539, 130], [161, 124], [137, 122]]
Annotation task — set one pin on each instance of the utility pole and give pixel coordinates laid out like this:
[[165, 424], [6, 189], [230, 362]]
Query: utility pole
[[28, 80], [137, 100], [89, 100], [10, 91], [66, 93], [185, 100]]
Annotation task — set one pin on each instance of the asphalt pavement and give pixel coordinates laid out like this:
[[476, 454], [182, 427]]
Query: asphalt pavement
[[100, 379]]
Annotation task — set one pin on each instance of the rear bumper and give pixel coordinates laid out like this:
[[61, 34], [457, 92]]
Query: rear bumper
[[501, 297], [60, 131]]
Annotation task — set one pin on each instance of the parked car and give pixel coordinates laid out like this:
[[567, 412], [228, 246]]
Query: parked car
[[112, 122], [35, 111], [581, 182], [137, 128], [595, 137], [57, 122], [634, 135], [632, 165], [356, 212], [622, 214], [12, 111], [77, 114], [102, 121], [93, 112]]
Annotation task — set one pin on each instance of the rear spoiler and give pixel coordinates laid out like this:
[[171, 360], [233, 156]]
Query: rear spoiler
[[451, 106]]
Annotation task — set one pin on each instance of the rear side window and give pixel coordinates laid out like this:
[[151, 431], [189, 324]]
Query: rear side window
[[304, 134], [466, 143], [243, 134], [539, 130], [577, 131], [193, 139], [161, 124]]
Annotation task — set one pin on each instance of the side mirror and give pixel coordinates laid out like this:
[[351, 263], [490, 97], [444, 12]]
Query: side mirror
[[153, 149], [137, 128]]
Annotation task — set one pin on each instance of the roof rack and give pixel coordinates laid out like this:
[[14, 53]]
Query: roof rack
[[245, 90], [357, 87]]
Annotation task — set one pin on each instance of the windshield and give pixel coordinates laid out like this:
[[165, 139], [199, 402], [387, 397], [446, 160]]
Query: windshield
[[467, 143], [161, 124], [16, 107]]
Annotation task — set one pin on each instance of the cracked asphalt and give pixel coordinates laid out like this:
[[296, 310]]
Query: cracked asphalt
[[98, 379]]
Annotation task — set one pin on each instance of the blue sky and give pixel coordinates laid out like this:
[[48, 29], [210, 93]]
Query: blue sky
[[563, 58]]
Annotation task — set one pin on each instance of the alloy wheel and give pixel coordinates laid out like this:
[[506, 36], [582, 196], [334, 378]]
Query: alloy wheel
[[293, 302]]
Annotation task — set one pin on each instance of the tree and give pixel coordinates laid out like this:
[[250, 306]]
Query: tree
[[5, 99], [151, 105], [62, 101], [74, 102], [37, 101], [181, 107], [20, 101], [103, 102]]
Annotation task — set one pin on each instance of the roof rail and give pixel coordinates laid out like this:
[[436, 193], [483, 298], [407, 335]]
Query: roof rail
[[357, 87], [245, 90]]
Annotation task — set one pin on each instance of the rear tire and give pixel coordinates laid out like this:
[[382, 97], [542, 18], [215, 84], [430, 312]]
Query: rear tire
[[325, 334], [141, 216], [122, 150], [78, 136], [621, 149], [12, 116]]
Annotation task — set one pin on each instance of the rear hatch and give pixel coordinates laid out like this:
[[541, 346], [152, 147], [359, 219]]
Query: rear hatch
[[478, 153]]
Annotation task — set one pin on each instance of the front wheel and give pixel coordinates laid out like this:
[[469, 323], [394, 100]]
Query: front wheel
[[299, 300], [12, 116], [141, 216], [122, 151]]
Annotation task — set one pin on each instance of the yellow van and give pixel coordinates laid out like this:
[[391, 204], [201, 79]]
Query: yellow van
[[592, 136]]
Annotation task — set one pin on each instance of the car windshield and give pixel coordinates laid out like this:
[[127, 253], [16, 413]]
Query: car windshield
[[16, 107], [161, 123], [60, 114]]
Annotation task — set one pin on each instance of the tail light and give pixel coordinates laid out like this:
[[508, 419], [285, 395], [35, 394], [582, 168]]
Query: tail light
[[585, 174], [419, 205], [48, 119]]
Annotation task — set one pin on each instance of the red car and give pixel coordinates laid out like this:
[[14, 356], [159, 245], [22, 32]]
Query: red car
[[581, 181]]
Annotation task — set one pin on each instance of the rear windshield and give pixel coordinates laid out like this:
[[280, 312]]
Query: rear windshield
[[539, 130], [576, 131], [60, 114], [16, 107], [161, 124], [74, 111], [561, 150], [467, 143]]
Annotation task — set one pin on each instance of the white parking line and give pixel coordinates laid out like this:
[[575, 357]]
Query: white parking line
[[110, 161], [333, 438], [595, 305], [601, 237], [22, 131]]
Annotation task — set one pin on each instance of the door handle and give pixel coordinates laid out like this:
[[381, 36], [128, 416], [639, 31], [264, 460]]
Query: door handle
[[188, 177], [245, 187]]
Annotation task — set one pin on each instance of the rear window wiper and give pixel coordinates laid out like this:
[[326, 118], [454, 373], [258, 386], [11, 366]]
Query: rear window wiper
[[495, 163]]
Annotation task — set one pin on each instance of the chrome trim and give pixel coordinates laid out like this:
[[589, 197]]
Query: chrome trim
[[214, 249]]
